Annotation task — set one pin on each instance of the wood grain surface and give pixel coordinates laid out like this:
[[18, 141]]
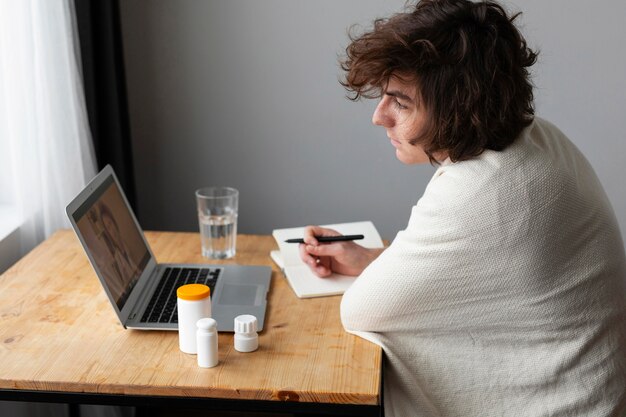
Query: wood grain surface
[[58, 332]]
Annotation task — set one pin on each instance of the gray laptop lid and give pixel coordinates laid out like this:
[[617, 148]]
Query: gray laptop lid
[[121, 257]]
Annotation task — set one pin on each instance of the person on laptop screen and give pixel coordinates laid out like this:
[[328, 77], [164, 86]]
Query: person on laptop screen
[[120, 260], [505, 293]]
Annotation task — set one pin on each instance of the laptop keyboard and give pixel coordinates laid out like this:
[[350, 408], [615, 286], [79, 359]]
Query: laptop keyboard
[[162, 305]]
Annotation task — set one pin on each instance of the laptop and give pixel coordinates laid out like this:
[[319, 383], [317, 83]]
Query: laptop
[[142, 291]]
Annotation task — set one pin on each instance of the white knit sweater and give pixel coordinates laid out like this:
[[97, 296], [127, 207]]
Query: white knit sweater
[[506, 293]]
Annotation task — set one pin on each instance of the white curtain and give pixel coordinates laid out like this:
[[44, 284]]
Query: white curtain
[[46, 151], [44, 133]]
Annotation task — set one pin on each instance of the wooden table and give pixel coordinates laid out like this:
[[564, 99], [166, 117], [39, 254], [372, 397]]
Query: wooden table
[[60, 341]]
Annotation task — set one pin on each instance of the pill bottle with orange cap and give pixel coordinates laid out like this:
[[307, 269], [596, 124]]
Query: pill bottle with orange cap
[[194, 303]]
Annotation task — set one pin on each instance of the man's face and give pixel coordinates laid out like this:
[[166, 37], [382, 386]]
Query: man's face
[[403, 116]]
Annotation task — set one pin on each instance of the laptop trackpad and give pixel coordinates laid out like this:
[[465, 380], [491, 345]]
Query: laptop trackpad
[[239, 294]]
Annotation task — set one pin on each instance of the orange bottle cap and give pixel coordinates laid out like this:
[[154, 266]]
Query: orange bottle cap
[[193, 292]]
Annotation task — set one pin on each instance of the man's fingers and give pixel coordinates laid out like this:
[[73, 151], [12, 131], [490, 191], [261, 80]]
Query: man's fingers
[[322, 270], [325, 249], [311, 231], [306, 257]]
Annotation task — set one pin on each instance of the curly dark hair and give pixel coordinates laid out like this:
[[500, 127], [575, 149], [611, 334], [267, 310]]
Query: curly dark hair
[[470, 64]]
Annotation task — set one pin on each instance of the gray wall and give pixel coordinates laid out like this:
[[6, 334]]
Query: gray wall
[[245, 93]]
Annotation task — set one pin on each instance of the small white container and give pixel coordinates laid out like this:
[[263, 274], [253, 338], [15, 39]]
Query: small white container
[[206, 337], [194, 303], [246, 337]]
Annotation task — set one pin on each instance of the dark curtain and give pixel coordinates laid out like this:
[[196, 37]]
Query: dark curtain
[[100, 37]]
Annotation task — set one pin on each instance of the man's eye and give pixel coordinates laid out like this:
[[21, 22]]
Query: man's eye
[[399, 105]]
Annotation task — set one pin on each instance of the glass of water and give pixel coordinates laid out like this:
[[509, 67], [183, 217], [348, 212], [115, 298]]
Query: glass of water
[[217, 215]]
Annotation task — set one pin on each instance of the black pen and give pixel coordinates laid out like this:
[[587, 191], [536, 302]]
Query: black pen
[[327, 239]]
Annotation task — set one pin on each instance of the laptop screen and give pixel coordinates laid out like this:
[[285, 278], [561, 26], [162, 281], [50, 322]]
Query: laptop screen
[[111, 237]]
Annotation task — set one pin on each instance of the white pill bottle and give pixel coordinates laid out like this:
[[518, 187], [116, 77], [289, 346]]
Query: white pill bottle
[[206, 336], [194, 303], [246, 336]]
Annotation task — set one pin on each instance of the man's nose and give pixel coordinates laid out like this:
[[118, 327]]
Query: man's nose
[[380, 117]]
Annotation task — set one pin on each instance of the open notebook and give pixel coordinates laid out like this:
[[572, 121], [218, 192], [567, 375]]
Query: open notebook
[[303, 282]]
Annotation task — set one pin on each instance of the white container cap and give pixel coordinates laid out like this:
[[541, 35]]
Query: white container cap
[[207, 324], [246, 337]]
